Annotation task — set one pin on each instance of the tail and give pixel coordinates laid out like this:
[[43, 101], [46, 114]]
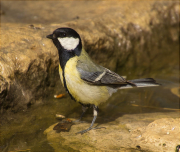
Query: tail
[[145, 82]]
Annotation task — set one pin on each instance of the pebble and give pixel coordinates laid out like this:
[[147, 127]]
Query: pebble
[[60, 116]]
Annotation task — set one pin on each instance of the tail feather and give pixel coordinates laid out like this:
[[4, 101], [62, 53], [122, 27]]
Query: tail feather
[[145, 82], [150, 80]]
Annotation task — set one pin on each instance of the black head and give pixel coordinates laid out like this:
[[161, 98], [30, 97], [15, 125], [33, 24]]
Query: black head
[[68, 43], [66, 39]]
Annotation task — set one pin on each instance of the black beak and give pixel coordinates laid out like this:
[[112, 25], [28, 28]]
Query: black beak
[[50, 36]]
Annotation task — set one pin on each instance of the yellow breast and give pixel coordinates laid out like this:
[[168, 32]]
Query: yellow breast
[[79, 89]]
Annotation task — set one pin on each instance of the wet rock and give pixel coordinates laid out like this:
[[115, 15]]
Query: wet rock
[[146, 132], [27, 67], [64, 125], [29, 61], [160, 135]]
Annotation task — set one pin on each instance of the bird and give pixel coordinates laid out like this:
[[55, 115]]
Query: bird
[[86, 82]]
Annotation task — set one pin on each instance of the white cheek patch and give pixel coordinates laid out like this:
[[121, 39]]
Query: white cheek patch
[[69, 43]]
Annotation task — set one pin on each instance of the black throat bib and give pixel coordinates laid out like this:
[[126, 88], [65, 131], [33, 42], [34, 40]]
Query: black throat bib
[[64, 56]]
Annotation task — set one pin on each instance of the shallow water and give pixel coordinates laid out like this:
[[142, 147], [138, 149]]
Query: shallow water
[[24, 131]]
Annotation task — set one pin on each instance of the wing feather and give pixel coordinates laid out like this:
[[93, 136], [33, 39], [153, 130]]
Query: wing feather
[[99, 75]]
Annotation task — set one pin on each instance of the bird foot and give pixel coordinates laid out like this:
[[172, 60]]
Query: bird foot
[[90, 128]]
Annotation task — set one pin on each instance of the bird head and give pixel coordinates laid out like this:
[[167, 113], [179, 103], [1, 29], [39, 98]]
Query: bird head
[[66, 39]]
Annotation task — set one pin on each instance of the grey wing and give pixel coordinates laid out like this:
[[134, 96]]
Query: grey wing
[[99, 75]]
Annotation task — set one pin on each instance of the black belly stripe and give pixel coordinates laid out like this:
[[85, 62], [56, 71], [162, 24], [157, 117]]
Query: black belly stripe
[[63, 58], [64, 80]]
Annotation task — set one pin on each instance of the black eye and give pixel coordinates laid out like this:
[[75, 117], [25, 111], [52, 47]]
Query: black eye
[[63, 34]]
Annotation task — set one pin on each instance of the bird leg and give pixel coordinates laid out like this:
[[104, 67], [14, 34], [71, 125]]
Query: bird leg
[[95, 110], [84, 109]]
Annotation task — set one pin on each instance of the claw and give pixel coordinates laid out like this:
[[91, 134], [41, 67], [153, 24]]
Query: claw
[[94, 119], [84, 131], [90, 128]]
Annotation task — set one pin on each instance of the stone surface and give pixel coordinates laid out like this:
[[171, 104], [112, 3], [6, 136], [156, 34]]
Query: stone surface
[[130, 132], [27, 67], [160, 135], [29, 61]]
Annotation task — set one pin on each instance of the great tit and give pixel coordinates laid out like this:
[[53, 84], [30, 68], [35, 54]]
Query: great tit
[[86, 82]]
